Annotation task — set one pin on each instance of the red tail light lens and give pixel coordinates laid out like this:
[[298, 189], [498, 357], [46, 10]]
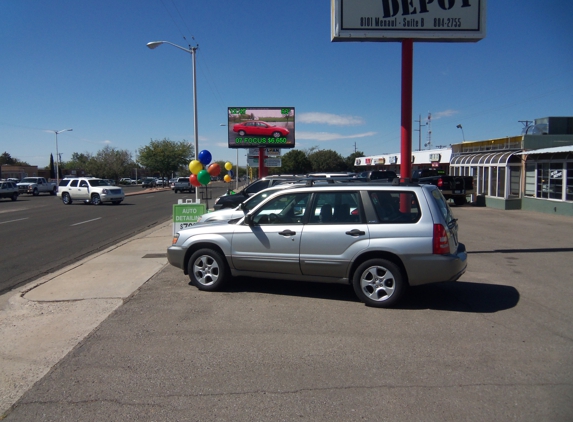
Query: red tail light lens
[[440, 182], [441, 243]]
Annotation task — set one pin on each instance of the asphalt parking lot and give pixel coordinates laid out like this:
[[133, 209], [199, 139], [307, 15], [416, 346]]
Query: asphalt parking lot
[[496, 345]]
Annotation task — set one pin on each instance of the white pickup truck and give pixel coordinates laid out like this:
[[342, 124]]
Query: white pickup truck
[[36, 186]]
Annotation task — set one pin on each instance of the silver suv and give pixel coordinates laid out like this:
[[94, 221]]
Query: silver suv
[[379, 238]]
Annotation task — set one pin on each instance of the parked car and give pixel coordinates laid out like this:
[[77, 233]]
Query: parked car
[[379, 238], [231, 201], [161, 182], [36, 185], [387, 175], [148, 182], [8, 189], [127, 181], [227, 214], [89, 190], [260, 128]]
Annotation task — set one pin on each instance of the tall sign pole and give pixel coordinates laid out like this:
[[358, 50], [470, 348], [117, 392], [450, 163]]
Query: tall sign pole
[[406, 122]]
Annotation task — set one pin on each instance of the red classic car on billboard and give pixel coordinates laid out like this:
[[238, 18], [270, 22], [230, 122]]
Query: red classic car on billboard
[[259, 128]]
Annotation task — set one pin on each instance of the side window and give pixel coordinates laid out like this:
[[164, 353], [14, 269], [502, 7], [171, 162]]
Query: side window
[[74, 183], [83, 184], [396, 207], [285, 209], [336, 208]]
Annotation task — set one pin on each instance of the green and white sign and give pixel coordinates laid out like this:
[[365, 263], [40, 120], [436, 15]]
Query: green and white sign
[[185, 214]]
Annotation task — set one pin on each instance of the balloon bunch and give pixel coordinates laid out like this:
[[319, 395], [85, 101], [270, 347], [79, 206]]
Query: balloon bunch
[[200, 175], [228, 167]]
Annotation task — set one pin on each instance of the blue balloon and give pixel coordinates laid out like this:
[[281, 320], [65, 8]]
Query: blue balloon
[[205, 157]]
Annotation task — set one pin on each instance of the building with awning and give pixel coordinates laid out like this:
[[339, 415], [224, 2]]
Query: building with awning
[[532, 171]]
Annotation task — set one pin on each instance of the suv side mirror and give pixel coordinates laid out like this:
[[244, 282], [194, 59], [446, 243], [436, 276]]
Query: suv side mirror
[[249, 219]]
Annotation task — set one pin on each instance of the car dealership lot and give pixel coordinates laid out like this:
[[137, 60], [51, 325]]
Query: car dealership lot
[[496, 345]]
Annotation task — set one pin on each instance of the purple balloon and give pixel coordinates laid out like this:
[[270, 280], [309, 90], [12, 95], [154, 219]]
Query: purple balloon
[[205, 157]]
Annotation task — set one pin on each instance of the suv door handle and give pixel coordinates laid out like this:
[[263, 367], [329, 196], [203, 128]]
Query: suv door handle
[[355, 232], [287, 232]]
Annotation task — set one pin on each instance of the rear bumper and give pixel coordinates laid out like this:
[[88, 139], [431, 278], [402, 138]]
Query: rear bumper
[[428, 269]]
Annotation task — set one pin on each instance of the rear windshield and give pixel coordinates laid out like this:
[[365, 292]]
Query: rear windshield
[[443, 206]]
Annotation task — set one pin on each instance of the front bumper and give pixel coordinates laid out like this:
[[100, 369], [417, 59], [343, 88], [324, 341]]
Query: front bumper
[[176, 256]]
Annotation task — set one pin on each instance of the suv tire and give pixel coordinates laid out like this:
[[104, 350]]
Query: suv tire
[[66, 198], [207, 270], [96, 200], [379, 283]]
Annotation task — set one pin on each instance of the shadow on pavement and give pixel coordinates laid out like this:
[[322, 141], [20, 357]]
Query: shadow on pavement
[[456, 296]]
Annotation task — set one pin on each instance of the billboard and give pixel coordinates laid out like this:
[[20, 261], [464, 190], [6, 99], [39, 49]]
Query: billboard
[[257, 127], [420, 20]]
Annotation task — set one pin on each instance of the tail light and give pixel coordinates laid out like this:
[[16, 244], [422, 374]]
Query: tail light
[[440, 182], [441, 242]]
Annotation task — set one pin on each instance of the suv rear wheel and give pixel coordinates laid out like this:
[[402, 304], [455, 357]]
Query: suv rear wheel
[[379, 283], [66, 198]]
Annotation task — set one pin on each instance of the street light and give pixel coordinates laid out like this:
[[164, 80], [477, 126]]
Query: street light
[[58, 155], [463, 136], [191, 51]]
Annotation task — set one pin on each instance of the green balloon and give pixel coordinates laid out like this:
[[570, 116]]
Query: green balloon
[[204, 177]]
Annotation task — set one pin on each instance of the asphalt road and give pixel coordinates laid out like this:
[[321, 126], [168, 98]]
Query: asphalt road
[[495, 346], [40, 235]]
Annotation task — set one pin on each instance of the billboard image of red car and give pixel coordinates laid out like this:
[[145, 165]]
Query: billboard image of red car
[[251, 127]]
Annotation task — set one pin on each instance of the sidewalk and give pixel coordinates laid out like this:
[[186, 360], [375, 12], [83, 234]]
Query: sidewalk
[[47, 318]]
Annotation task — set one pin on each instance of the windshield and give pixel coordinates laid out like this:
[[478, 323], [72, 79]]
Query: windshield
[[98, 182], [255, 200], [28, 180]]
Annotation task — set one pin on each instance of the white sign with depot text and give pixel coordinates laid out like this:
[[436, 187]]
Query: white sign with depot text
[[420, 20]]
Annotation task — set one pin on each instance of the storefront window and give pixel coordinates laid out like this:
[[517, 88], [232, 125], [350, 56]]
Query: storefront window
[[530, 179], [514, 177], [501, 182], [493, 181], [556, 180]]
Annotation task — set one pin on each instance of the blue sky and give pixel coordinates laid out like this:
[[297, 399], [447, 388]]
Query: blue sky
[[85, 65]]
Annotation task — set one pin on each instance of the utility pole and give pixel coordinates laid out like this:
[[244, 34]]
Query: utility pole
[[419, 130]]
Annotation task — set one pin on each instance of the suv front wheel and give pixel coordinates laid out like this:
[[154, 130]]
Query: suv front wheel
[[379, 283], [207, 270]]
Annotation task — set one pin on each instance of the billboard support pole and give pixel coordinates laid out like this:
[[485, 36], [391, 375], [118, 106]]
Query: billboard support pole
[[406, 126], [262, 168]]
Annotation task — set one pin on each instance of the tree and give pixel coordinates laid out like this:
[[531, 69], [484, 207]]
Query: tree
[[110, 163], [327, 160], [166, 156], [52, 168], [7, 159], [296, 162]]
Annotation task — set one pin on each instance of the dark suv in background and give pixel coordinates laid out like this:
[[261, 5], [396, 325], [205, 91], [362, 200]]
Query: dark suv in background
[[232, 201]]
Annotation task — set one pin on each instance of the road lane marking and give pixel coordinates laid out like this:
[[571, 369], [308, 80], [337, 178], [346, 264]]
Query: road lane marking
[[12, 221], [87, 221]]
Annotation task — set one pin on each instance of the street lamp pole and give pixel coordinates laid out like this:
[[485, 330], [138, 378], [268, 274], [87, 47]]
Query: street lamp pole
[[463, 135], [58, 155], [191, 51]]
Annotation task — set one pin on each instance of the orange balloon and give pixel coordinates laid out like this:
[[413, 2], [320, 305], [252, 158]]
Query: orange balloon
[[227, 178]]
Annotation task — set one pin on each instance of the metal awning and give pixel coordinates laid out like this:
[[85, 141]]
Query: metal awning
[[485, 159], [554, 150]]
